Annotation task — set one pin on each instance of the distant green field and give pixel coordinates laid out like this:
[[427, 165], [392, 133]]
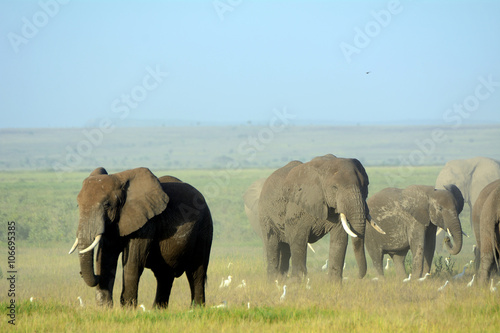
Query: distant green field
[[44, 208]]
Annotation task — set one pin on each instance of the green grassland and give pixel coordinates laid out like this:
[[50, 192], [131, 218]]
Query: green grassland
[[45, 212], [219, 162]]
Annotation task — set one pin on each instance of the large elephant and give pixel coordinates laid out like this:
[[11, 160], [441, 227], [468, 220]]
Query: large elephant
[[486, 223], [410, 218], [301, 202], [162, 224]]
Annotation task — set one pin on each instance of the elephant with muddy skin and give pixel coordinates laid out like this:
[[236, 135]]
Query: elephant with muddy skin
[[410, 218], [486, 223], [302, 202], [162, 224]]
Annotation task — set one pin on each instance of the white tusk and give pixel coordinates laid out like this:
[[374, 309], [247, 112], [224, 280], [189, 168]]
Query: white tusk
[[311, 247], [74, 246], [448, 231], [91, 247], [439, 231], [346, 226], [376, 227]]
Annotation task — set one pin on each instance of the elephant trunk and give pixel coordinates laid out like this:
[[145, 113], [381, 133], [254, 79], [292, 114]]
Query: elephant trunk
[[87, 240], [456, 234], [355, 208]]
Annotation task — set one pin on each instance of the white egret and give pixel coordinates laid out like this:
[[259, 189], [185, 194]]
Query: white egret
[[282, 298], [425, 276], [387, 264], [408, 278], [142, 307], [243, 284], [308, 286], [223, 305], [325, 266], [471, 281], [226, 283], [492, 288], [444, 285], [81, 301]]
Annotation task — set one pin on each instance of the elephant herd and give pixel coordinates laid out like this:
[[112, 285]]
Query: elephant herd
[[165, 224]]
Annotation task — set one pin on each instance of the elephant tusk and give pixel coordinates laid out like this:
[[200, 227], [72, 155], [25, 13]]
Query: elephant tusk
[[377, 227], [91, 247], [449, 233], [74, 246], [311, 247], [439, 231], [346, 226]]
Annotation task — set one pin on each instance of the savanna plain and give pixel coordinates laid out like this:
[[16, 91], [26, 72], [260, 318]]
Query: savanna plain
[[42, 202]]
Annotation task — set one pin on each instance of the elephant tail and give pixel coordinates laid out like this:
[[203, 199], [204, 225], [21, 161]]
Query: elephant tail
[[495, 245]]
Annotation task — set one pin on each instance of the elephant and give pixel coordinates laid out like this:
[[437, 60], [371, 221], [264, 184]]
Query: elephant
[[302, 202], [486, 223], [162, 224], [410, 218]]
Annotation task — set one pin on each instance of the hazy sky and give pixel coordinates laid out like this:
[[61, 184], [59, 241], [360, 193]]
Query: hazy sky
[[71, 63]]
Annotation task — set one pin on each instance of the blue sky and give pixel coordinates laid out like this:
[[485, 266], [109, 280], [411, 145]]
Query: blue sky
[[71, 63]]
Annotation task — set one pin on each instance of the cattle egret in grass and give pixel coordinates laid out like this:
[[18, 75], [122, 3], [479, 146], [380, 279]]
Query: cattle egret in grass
[[460, 275], [408, 278], [277, 285], [142, 307], [225, 283], [81, 301], [223, 305], [32, 299], [425, 277], [492, 288], [447, 261], [243, 284], [325, 266], [282, 298], [387, 264], [308, 286], [444, 285], [471, 281]]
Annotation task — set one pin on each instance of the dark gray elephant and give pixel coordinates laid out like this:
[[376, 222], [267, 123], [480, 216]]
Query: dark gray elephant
[[410, 217], [162, 224], [486, 222], [301, 202]]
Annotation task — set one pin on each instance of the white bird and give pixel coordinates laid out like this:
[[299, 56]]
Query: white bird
[[325, 266], [459, 275], [32, 299], [243, 284], [471, 281], [81, 301], [425, 276], [492, 288], [248, 305], [277, 285], [444, 285], [229, 265], [387, 264], [308, 286], [408, 278], [225, 283], [375, 279], [282, 298], [142, 307], [223, 305], [447, 261]]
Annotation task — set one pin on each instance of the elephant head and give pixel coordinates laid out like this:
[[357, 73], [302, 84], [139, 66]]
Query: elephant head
[[444, 208], [334, 189], [114, 205]]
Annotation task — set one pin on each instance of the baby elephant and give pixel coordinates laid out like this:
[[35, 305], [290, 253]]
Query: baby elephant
[[410, 218], [486, 219]]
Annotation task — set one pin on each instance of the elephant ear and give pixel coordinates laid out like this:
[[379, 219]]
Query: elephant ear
[[303, 187], [144, 199], [457, 194]]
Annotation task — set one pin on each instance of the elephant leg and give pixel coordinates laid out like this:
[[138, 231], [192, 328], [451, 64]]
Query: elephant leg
[[429, 248], [298, 249], [338, 247], [134, 260], [164, 281], [197, 279], [417, 251], [284, 258], [487, 260], [106, 262], [377, 259], [272, 254], [399, 263]]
